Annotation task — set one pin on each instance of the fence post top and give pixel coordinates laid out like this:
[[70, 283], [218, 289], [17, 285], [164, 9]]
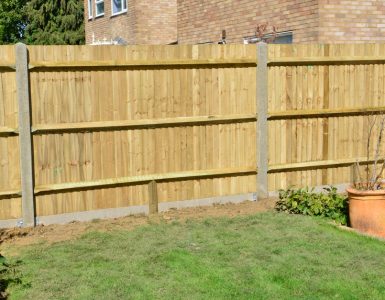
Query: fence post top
[[19, 44], [21, 51]]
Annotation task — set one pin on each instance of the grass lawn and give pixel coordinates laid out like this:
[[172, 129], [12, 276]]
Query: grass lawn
[[263, 256]]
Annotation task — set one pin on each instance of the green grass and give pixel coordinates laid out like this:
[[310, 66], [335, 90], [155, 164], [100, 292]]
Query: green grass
[[264, 256]]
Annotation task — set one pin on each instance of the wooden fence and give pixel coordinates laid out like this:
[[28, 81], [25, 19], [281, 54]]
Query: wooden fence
[[114, 127]]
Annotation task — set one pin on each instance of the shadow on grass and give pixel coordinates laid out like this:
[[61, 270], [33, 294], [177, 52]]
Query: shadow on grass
[[9, 274]]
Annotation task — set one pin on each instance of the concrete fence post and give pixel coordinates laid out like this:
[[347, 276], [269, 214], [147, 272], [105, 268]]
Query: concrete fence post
[[25, 137], [262, 126]]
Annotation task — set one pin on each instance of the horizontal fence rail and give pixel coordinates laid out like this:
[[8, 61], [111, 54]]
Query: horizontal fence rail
[[320, 164], [196, 62], [7, 67], [139, 63], [138, 124], [8, 131], [10, 194], [290, 61], [142, 179], [325, 113]]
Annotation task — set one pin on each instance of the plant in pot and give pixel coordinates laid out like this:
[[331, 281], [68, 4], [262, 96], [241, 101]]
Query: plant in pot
[[367, 192]]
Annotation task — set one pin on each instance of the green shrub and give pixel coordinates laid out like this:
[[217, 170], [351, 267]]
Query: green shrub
[[305, 201]]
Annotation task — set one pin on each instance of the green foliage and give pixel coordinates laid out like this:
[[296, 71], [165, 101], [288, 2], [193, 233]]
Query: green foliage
[[12, 21], [55, 22], [306, 202], [42, 22], [8, 275]]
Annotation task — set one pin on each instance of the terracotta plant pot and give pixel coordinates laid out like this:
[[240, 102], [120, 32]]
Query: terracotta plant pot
[[367, 211]]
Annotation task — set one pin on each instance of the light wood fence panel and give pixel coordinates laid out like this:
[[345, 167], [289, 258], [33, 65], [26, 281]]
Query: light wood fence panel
[[307, 87], [10, 203], [152, 93]]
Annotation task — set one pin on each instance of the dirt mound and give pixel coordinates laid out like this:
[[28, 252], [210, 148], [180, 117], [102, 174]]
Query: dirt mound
[[57, 233], [9, 234]]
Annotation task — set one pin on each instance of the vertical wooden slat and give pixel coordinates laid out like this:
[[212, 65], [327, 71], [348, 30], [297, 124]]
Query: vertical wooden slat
[[153, 198], [26, 150], [325, 127]]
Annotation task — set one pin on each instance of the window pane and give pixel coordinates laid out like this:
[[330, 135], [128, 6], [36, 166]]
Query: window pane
[[124, 4], [99, 8], [116, 6], [283, 39], [90, 8]]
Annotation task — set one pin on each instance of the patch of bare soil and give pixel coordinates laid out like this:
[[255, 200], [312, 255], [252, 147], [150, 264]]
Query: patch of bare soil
[[57, 233]]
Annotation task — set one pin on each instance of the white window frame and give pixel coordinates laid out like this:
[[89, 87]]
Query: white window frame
[[90, 14], [96, 8], [123, 10], [254, 39]]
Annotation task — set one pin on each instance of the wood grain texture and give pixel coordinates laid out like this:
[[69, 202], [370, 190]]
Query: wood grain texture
[[137, 124], [109, 113], [185, 115], [135, 63], [326, 60], [325, 95], [10, 186]]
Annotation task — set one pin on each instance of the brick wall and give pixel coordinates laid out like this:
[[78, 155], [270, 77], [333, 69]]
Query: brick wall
[[199, 21], [352, 21], [156, 21], [145, 22], [203, 20]]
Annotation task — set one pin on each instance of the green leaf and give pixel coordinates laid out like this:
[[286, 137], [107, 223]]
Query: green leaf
[[2, 259], [306, 201]]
